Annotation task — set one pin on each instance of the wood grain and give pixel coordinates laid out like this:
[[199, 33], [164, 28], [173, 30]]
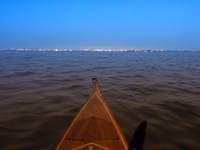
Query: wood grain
[[94, 127]]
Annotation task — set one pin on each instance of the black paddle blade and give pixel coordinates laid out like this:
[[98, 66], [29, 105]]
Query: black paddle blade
[[138, 137]]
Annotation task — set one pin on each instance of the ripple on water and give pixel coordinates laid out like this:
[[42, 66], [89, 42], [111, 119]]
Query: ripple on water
[[40, 93]]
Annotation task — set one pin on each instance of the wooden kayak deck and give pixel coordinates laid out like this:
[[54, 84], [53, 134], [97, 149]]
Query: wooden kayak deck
[[94, 127]]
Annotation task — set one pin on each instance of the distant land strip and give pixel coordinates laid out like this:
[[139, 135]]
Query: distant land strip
[[95, 50]]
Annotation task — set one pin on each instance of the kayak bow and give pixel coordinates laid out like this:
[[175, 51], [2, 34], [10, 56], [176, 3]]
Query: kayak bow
[[94, 127]]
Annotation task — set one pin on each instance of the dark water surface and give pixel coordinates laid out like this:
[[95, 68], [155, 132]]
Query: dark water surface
[[41, 92]]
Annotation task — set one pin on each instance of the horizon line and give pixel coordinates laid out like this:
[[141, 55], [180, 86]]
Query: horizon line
[[92, 49]]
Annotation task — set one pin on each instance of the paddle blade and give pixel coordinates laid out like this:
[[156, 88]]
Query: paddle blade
[[138, 137]]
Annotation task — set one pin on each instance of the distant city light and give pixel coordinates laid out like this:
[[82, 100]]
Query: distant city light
[[97, 50]]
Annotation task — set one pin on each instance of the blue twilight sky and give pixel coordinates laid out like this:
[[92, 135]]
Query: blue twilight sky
[[115, 24]]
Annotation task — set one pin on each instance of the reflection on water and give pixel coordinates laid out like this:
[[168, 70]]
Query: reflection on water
[[41, 92]]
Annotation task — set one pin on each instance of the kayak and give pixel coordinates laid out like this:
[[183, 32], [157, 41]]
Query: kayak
[[94, 127]]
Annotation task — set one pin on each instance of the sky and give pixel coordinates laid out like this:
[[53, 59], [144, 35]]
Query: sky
[[107, 24]]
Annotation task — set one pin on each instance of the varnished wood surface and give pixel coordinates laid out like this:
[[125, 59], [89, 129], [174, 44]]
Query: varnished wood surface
[[94, 127]]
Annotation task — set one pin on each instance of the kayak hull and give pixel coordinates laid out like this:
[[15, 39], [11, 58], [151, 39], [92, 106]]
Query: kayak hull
[[94, 127]]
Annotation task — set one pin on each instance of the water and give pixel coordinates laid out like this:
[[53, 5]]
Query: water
[[41, 92]]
